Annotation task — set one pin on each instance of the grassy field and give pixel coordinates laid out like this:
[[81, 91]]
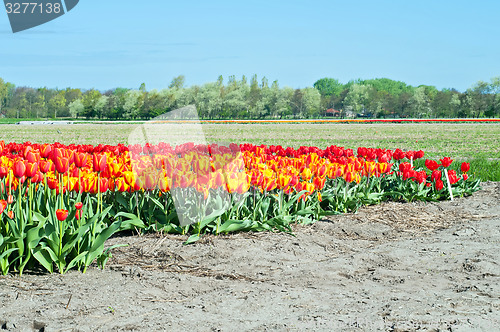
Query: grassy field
[[476, 143]]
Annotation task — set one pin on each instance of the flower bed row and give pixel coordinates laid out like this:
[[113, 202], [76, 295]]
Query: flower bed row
[[59, 204], [469, 120]]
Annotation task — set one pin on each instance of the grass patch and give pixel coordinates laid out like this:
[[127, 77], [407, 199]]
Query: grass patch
[[485, 169], [477, 143]]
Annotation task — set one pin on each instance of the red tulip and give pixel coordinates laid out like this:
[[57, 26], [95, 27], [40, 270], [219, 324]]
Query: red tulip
[[384, 158], [418, 154], [446, 161], [465, 176], [62, 164], [410, 154], [32, 156], [99, 162], [37, 178], [52, 183], [439, 185], [405, 167], [3, 172], [31, 169], [104, 185], [45, 150], [465, 167], [436, 175], [19, 169], [78, 205], [452, 175], [77, 214], [431, 164], [398, 154], [61, 214], [80, 159], [10, 199], [421, 176], [10, 214], [45, 165]]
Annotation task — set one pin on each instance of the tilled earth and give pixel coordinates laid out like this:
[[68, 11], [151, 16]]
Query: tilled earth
[[391, 267]]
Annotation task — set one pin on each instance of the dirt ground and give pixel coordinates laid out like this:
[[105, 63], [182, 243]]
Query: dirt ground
[[392, 267]]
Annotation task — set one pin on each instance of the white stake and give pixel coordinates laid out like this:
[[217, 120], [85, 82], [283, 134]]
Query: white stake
[[449, 184]]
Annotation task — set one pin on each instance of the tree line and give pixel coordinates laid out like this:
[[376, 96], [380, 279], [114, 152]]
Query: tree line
[[255, 99]]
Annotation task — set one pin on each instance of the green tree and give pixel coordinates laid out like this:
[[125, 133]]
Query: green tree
[[3, 94], [186, 96], [357, 97], [254, 93], [177, 82], [329, 87], [72, 95], [454, 104], [19, 105], [419, 103], [76, 108], [311, 99], [296, 104], [89, 99], [101, 106], [134, 100], [209, 101], [57, 103]]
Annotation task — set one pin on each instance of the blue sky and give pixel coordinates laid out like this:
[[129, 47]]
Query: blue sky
[[111, 43]]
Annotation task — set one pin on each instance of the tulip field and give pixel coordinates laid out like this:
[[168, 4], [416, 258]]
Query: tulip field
[[60, 203]]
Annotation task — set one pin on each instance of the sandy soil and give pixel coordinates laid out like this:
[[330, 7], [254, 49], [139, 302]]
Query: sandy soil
[[393, 267]]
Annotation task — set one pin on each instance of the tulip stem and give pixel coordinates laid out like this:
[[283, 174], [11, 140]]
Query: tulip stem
[[61, 185], [10, 182], [99, 198], [69, 189], [79, 181], [30, 195]]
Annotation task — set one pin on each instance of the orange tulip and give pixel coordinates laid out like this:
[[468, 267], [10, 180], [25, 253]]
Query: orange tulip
[[319, 183], [163, 184], [3, 205], [53, 183], [269, 184], [104, 185], [149, 181], [321, 171], [283, 180], [306, 174]]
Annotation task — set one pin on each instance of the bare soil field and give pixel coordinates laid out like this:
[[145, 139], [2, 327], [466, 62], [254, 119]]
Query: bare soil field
[[392, 267]]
